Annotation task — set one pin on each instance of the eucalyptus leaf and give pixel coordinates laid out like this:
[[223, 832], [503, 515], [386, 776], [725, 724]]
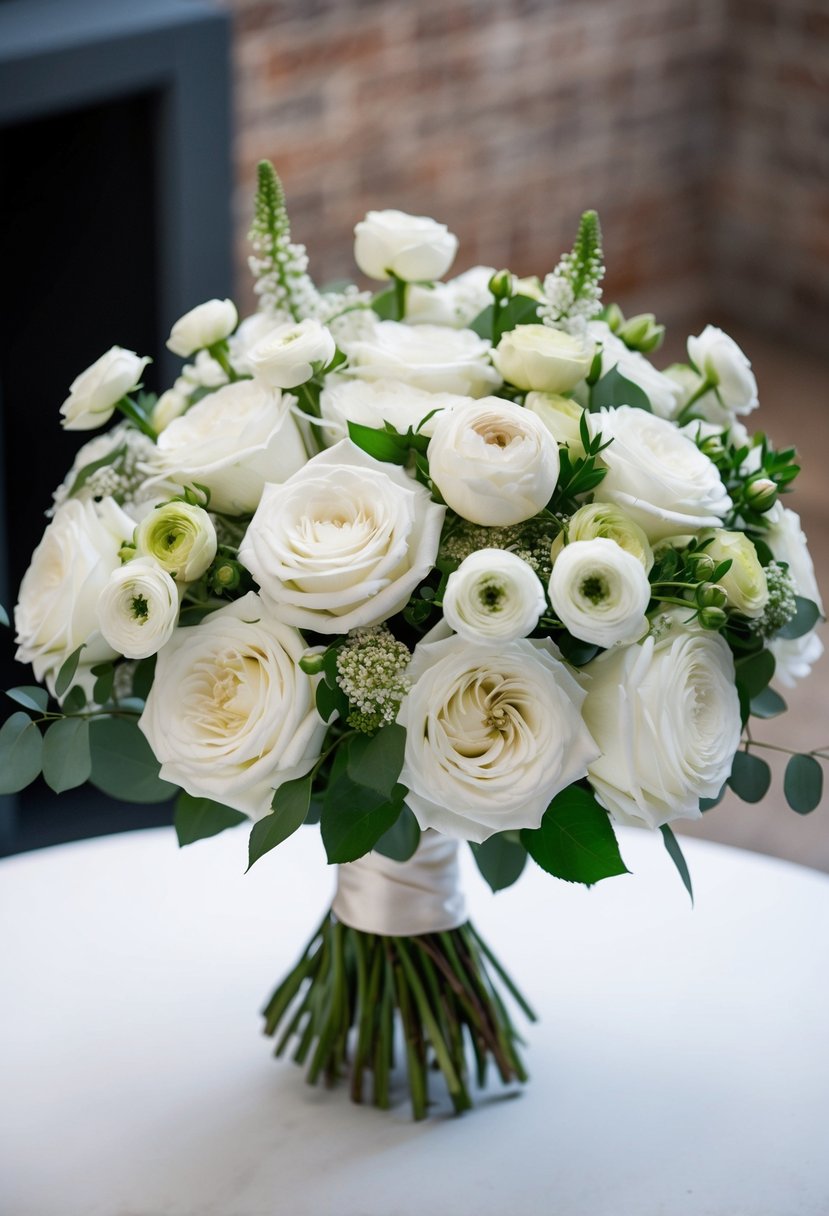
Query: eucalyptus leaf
[[806, 617], [198, 818], [104, 674], [30, 696], [575, 840], [67, 672], [750, 777], [767, 704], [677, 857], [400, 841], [21, 751], [708, 804], [74, 701], [500, 860], [290, 806], [67, 762], [803, 783], [142, 678], [123, 764], [754, 672]]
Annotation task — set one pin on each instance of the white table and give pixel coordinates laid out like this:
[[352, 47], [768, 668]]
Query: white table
[[681, 1066]]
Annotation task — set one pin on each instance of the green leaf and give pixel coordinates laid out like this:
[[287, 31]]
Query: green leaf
[[676, 855], [803, 784], [807, 616], [384, 304], [382, 445], [290, 806], [754, 672], [708, 804], [31, 696], [74, 701], [142, 678], [614, 390], [104, 680], [500, 860], [88, 469], [21, 749], [4, 617], [575, 841], [575, 651], [330, 701], [197, 818], [67, 762], [67, 672], [400, 841], [767, 704], [519, 310], [353, 817], [123, 764], [750, 777], [376, 762]]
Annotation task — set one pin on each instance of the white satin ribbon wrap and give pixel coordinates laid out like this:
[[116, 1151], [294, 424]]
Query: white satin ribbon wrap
[[403, 898]]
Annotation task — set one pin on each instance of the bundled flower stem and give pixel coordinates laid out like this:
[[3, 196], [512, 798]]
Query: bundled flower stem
[[348, 990]]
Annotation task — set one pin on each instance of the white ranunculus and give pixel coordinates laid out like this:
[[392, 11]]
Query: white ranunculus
[[744, 582], [430, 357], [561, 416], [607, 520], [138, 609], [180, 537], [171, 404], [285, 356], [666, 717], [543, 359], [376, 402], [657, 475], [247, 333], [202, 326], [720, 361], [600, 592], [410, 247], [494, 462], [57, 608], [94, 394], [232, 441], [493, 733], [456, 303], [494, 595], [343, 542], [786, 539], [662, 392], [231, 715]]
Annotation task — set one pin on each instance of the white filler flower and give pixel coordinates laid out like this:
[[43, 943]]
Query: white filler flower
[[343, 542], [202, 326], [493, 732], [231, 715], [138, 609], [94, 394], [285, 356], [495, 463], [600, 592], [410, 247], [493, 595]]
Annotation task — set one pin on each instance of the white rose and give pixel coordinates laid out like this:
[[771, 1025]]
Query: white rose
[[202, 326], [786, 539], [232, 441], [662, 392], [430, 357], [666, 716], [495, 463], [138, 609], [538, 357], [286, 355], [171, 404], [720, 361], [374, 403], [231, 715], [246, 335], [600, 592], [561, 416], [658, 475], [707, 407], [744, 582], [493, 733], [57, 609], [456, 303], [343, 542], [493, 595], [94, 394], [410, 247], [180, 538]]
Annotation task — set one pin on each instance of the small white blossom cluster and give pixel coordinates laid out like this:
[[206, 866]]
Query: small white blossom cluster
[[280, 269], [371, 672], [562, 307], [124, 479], [781, 606], [530, 541]]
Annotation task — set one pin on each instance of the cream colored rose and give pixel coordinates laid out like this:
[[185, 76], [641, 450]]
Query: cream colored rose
[[600, 592], [541, 358], [495, 463], [561, 416], [658, 476], [343, 542], [794, 657], [493, 596], [493, 733], [94, 394], [377, 402], [57, 608], [430, 357], [721, 362], [202, 326], [180, 538], [409, 247], [666, 717], [138, 609], [233, 441], [604, 519], [744, 582], [287, 355], [231, 715]]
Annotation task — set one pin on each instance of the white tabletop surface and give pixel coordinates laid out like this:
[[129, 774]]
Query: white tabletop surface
[[681, 1067]]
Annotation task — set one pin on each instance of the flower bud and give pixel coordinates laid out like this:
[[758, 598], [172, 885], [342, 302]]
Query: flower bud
[[712, 618], [704, 564], [642, 333], [711, 595], [202, 326], [761, 494], [613, 317], [226, 577], [501, 285], [712, 447]]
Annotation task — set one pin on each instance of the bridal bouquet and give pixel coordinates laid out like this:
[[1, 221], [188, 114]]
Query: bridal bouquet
[[450, 562]]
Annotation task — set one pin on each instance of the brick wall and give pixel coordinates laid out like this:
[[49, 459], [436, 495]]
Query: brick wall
[[506, 118]]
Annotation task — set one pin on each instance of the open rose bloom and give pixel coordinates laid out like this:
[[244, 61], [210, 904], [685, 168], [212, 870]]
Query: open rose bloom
[[452, 562]]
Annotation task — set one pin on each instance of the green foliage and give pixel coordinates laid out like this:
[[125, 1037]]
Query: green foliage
[[290, 806], [805, 619], [750, 777], [30, 696], [677, 857], [114, 457], [376, 762], [578, 476], [614, 390], [21, 752], [500, 859], [499, 318], [767, 704], [197, 818], [803, 783], [104, 674], [67, 762], [279, 264], [4, 617], [67, 672], [575, 840], [123, 764], [754, 671], [400, 841], [353, 817]]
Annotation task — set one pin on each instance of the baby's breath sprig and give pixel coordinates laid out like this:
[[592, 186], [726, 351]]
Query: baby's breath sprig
[[371, 672], [573, 290]]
